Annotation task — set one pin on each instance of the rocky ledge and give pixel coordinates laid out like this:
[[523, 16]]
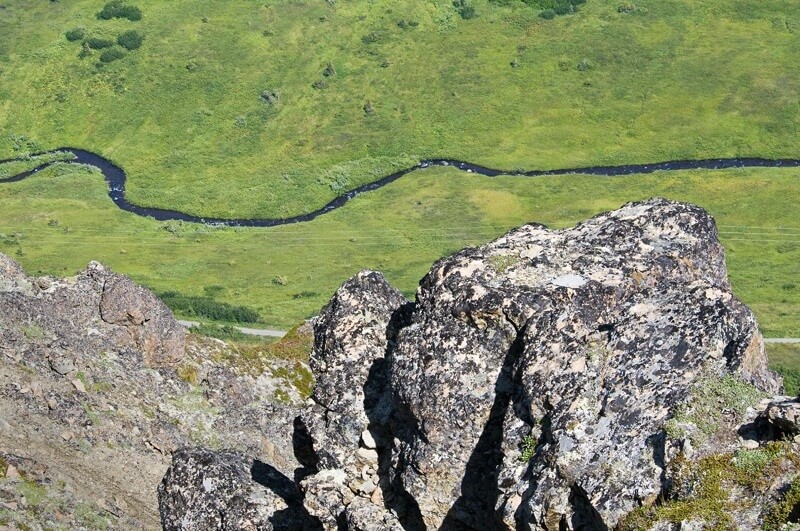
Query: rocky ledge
[[99, 384], [597, 377]]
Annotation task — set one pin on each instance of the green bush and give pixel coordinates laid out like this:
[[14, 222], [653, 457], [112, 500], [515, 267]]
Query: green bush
[[96, 43], [786, 510], [118, 9], [207, 307], [563, 9], [75, 34], [111, 54], [465, 9], [548, 14], [130, 40]]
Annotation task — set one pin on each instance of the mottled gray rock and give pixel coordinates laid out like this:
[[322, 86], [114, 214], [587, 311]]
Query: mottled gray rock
[[351, 336], [784, 415], [327, 496], [578, 344], [363, 515], [226, 491]]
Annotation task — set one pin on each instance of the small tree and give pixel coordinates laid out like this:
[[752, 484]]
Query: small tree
[[464, 8]]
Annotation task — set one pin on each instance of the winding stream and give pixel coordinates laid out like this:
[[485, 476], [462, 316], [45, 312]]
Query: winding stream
[[115, 177]]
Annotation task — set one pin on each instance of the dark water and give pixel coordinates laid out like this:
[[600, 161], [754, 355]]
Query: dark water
[[115, 177]]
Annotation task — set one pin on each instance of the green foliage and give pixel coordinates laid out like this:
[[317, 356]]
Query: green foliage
[[189, 373], [111, 54], [3, 466], [528, 448], [784, 358], [33, 331], [704, 410], [224, 332], [791, 378], [548, 14], [118, 9], [193, 306], [701, 489], [130, 40], [298, 375], [75, 34], [786, 510], [465, 8], [35, 494], [96, 43]]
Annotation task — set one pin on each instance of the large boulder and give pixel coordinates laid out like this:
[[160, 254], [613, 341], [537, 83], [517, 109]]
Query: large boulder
[[149, 324], [531, 383], [96, 306], [224, 490]]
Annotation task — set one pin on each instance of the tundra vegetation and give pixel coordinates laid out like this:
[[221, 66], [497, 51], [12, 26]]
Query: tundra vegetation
[[366, 88]]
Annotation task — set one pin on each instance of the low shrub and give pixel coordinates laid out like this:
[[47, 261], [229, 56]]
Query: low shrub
[[548, 14], [96, 43], [75, 34], [118, 9], [465, 9], [193, 306], [111, 54], [130, 40]]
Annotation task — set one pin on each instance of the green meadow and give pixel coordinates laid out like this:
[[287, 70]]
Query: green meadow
[[59, 219], [185, 116], [272, 108]]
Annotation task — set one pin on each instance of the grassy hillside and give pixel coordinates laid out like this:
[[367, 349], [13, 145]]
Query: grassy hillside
[[184, 113], [59, 219], [271, 108]]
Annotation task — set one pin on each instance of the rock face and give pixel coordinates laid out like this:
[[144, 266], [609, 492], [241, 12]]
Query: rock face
[[529, 384], [576, 344], [98, 302]]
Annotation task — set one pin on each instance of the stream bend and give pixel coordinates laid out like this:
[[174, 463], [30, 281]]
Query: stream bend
[[115, 178]]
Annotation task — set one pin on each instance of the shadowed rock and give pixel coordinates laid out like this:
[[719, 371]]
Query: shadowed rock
[[224, 490]]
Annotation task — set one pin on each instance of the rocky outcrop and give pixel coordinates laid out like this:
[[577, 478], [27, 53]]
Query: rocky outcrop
[[576, 345], [95, 306], [98, 385], [531, 383]]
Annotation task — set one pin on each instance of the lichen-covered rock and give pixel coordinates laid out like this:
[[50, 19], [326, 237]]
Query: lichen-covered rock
[[351, 336], [363, 515], [784, 415], [226, 491], [97, 306], [576, 345]]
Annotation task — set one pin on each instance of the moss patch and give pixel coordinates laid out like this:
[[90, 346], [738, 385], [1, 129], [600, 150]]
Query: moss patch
[[701, 489], [701, 415]]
